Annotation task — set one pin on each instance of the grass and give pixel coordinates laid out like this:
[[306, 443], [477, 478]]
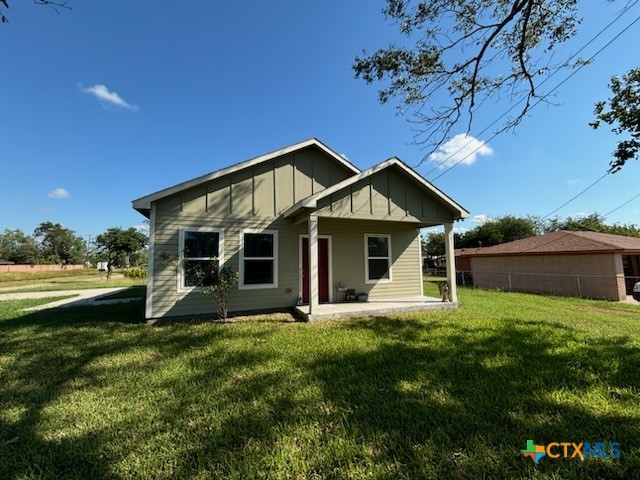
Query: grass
[[131, 292], [60, 280], [89, 392]]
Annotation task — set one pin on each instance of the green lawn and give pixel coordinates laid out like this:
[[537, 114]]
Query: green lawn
[[131, 292], [61, 280], [90, 392]]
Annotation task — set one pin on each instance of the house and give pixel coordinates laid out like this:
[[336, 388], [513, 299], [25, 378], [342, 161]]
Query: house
[[295, 223], [581, 264]]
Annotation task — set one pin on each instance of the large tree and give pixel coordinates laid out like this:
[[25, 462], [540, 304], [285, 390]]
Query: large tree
[[59, 244], [116, 243], [622, 112], [16, 246], [460, 53], [500, 230]]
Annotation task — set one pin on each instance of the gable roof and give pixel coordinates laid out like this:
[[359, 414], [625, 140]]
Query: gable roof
[[311, 202], [143, 204], [562, 241]]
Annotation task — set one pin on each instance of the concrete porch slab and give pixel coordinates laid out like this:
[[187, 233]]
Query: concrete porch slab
[[416, 303]]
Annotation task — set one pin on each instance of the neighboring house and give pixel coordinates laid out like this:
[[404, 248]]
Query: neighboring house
[[582, 264], [6, 262], [294, 223]]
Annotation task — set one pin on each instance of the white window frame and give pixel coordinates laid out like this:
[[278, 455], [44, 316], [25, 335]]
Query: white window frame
[[259, 286], [182, 258], [367, 258]]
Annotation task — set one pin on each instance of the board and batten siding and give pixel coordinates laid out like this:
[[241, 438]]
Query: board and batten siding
[[253, 198], [387, 195]]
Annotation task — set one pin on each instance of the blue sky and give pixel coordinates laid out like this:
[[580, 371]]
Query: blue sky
[[201, 85]]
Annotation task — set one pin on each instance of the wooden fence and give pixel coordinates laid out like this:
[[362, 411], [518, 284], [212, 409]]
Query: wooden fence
[[38, 268]]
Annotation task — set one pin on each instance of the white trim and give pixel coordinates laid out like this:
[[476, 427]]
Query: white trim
[[421, 291], [449, 251], [144, 203], [148, 307], [180, 277], [366, 258], [241, 285], [312, 200], [300, 266]]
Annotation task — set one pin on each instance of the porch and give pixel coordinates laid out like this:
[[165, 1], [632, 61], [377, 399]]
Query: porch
[[373, 308]]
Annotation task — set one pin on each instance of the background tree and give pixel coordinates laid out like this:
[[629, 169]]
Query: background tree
[[500, 230], [623, 113], [55, 4], [591, 223], [468, 51], [59, 244], [18, 247], [115, 244]]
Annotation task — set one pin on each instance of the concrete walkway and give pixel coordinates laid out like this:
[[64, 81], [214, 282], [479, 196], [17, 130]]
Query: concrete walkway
[[80, 297]]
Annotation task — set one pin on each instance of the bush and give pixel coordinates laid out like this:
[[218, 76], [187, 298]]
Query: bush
[[135, 273]]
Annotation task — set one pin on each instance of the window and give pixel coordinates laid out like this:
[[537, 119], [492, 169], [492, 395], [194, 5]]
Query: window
[[258, 259], [199, 250], [377, 251]]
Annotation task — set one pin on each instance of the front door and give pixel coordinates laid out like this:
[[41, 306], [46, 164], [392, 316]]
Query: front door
[[323, 269]]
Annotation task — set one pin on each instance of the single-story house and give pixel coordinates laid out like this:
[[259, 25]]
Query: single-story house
[[6, 262], [581, 264], [296, 224]]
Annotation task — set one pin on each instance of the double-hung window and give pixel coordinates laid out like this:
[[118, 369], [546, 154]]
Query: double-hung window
[[258, 259], [377, 251], [200, 255]]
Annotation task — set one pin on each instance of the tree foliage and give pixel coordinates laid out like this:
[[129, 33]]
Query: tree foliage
[[591, 223], [468, 51], [500, 230], [18, 247], [622, 112], [510, 227], [116, 243], [59, 244]]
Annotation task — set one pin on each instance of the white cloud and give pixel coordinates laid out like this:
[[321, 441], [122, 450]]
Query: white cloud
[[481, 219], [462, 148], [459, 229], [143, 227], [101, 92], [573, 181], [59, 193]]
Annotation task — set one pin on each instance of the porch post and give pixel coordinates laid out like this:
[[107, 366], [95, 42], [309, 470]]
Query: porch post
[[451, 261], [313, 264]]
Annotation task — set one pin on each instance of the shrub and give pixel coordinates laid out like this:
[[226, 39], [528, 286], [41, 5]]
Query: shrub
[[135, 273]]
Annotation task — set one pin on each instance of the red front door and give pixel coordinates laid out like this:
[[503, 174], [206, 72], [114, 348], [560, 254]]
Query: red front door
[[323, 270]]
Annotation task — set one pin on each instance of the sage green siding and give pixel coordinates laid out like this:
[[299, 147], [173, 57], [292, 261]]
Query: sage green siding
[[347, 238], [387, 195], [252, 198]]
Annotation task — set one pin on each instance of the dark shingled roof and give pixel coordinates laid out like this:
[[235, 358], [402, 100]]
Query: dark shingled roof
[[558, 242]]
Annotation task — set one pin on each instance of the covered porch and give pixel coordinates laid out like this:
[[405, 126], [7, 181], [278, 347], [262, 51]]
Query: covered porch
[[371, 222], [372, 308]]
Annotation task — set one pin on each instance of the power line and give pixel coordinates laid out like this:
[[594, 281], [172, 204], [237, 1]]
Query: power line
[[604, 29], [622, 205], [575, 196], [567, 78]]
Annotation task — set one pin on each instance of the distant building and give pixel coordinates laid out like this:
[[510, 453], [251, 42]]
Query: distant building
[[581, 264], [6, 262]]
